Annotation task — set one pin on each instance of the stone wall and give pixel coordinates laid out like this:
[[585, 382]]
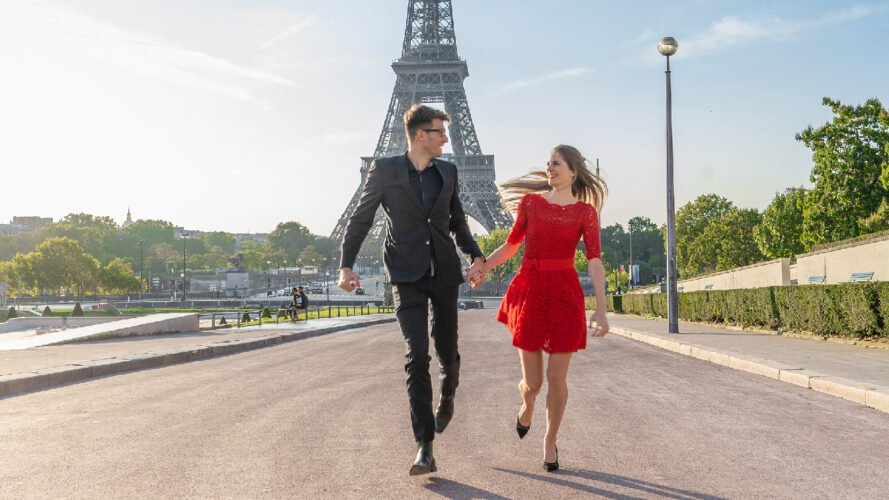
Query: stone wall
[[838, 263], [770, 273]]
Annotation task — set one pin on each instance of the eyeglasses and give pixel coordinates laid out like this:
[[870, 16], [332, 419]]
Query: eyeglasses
[[439, 130]]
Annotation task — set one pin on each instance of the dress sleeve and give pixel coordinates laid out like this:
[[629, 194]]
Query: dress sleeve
[[591, 234], [517, 234]]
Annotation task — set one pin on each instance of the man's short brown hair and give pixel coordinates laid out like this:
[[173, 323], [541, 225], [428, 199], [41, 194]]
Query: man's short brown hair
[[419, 116]]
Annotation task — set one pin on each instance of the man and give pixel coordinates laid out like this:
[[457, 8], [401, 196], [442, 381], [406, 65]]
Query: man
[[420, 201], [303, 301]]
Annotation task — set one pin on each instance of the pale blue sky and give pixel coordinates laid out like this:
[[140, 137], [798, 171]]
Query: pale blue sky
[[236, 115]]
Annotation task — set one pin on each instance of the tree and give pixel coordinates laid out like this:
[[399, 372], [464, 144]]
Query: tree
[[732, 236], [78, 311], [581, 264], [487, 244], [780, 233], [850, 156], [96, 235], [693, 257], [292, 237], [225, 241], [117, 277], [310, 257], [59, 262], [151, 232]]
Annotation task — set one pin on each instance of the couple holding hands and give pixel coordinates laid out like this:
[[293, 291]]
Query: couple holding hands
[[543, 306]]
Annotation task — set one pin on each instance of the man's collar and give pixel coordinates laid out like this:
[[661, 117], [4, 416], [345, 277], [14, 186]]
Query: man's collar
[[412, 168]]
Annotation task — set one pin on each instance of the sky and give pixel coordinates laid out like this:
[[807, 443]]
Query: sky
[[235, 115]]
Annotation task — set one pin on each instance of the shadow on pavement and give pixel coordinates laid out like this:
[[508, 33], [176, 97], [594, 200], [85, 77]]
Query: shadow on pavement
[[648, 488], [458, 491]]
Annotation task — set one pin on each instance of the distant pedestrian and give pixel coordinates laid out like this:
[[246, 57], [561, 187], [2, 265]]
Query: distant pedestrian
[[303, 302]]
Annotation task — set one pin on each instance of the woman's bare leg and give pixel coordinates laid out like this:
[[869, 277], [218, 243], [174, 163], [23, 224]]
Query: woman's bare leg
[[532, 381], [556, 399]]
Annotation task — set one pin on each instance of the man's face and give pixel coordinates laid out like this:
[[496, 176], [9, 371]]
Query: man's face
[[431, 138]]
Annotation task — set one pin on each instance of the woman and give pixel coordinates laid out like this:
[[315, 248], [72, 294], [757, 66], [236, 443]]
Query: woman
[[544, 305]]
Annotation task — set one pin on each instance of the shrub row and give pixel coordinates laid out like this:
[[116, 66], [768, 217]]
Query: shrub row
[[847, 309]]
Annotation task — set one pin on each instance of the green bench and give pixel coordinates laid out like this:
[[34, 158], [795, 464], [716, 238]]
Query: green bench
[[816, 279], [861, 277], [708, 287]]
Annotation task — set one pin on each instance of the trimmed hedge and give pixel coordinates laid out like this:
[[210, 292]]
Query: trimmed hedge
[[78, 311], [846, 309]]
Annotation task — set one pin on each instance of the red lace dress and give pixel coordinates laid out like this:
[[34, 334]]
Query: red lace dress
[[544, 306]]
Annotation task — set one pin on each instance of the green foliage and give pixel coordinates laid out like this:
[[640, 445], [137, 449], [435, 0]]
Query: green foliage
[[712, 234], [245, 317], [851, 158], [267, 313], [692, 256], [151, 232], [47, 312], [487, 244], [291, 237], [847, 309], [616, 277], [222, 321], [57, 263], [117, 277], [78, 311], [310, 257], [882, 291], [581, 264], [12, 313], [648, 248], [878, 221], [224, 241], [780, 233]]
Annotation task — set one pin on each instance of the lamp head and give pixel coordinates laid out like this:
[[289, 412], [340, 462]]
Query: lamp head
[[667, 46]]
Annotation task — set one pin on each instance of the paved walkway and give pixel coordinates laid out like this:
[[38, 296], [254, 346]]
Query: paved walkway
[[856, 373]]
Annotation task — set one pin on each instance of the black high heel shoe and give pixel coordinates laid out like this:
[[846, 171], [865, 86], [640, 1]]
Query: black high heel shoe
[[521, 429], [552, 466]]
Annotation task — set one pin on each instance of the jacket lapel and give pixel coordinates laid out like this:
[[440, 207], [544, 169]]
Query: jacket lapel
[[402, 166], [447, 187]]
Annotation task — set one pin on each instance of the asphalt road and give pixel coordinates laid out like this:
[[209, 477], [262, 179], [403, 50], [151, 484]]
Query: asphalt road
[[327, 417]]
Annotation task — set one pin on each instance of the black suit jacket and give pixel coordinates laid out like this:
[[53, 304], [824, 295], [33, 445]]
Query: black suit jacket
[[411, 234]]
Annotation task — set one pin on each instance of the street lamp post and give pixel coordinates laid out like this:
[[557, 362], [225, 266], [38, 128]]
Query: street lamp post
[[141, 285], [630, 279], [667, 47], [184, 261]]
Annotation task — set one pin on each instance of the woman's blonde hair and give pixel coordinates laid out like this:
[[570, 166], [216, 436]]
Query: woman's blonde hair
[[587, 187]]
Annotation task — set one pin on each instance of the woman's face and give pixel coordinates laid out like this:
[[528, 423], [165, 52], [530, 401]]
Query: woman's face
[[558, 173]]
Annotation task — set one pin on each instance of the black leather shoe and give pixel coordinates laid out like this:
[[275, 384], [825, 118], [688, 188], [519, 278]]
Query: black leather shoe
[[552, 466], [443, 413], [425, 462]]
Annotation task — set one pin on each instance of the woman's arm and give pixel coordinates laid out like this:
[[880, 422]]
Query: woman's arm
[[501, 255], [496, 258], [598, 320]]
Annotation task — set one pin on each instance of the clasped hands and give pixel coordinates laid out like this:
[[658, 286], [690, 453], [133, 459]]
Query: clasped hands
[[475, 274]]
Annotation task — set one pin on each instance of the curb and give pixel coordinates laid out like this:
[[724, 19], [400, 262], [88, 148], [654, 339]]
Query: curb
[[870, 395], [19, 383]]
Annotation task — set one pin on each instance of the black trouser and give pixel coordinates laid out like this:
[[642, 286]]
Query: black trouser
[[412, 310]]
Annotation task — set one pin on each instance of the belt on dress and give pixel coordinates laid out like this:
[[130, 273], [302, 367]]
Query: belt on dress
[[547, 264]]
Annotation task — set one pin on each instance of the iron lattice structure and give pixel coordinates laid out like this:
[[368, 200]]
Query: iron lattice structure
[[430, 71]]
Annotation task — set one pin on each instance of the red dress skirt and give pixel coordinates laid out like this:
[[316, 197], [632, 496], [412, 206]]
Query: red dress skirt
[[544, 305]]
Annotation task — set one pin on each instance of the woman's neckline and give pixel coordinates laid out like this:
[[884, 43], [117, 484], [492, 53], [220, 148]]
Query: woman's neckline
[[557, 204]]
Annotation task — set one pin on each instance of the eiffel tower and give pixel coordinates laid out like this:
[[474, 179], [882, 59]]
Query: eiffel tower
[[429, 71]]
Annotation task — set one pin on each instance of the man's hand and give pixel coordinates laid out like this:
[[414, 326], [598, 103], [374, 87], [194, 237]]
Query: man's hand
[[475, 274], [348, 279]]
